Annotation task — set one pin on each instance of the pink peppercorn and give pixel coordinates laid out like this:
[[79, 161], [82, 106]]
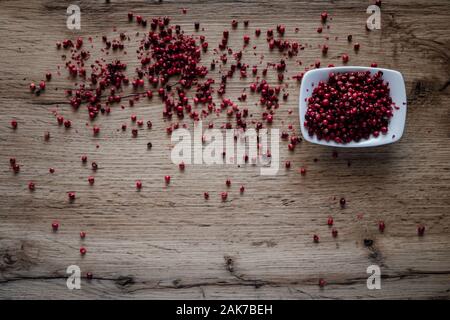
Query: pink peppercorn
[[55, 226], [381, 226], [322, 283], [316, 238], [330, 221]]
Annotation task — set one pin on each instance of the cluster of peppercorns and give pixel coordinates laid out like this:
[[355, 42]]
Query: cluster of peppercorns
[[349, 107]]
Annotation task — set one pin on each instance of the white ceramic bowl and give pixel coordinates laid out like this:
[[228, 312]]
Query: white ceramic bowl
[[397, 92]]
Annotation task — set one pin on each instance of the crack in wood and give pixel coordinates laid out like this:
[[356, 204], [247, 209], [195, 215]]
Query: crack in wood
[[128, 281]]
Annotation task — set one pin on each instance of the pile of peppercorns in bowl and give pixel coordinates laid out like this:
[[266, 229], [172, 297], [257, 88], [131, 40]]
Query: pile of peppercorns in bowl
[[352, 106]]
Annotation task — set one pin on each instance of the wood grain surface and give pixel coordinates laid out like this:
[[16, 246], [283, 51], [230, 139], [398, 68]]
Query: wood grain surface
[[168, 242]]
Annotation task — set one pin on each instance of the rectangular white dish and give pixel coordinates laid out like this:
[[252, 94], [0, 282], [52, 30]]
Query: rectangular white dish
[[397, 93]]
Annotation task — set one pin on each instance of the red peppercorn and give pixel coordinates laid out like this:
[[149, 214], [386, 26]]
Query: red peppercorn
[[224, 196], [51, 170], [324, 16], [345, 58], [138, 185], [47, 136], [55, 226], [303, 171], [281, 29], [374, 65], [82, 234], [67, 123], [342, 202], [334, 232], [330, 221], [91, 180], [356, 46], [133, 117], [32, 87], [89, 275], [421, 230], [287, 164], [48, 76], [167, 179], [134, 132], [14, 124], [206, 195], [42, 85], [242, 189], [316, 238], [84, 159], [96, 130], [94, 166], [228, 182], [181, 166], [381, 226], [322, 283], [319, 30], [31, 186], [83, 251], [71, 196]]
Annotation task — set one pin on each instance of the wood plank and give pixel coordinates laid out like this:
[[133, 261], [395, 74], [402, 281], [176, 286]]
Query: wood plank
[[168, 242]]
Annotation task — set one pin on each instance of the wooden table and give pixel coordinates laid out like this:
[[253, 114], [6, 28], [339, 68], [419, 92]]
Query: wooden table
[[168, 242]]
